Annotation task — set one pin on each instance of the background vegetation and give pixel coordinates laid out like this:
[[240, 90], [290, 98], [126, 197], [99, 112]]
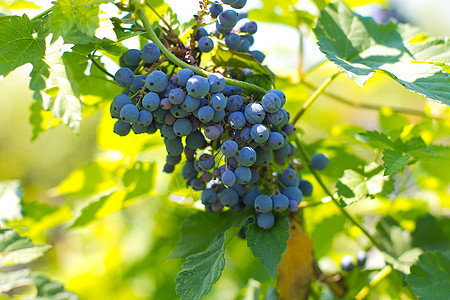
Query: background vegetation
[[113, 217]]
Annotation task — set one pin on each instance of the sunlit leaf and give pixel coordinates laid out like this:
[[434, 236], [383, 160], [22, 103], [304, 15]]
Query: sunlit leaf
[[15, 250], [359, 47], [201, 270], [355, 186]]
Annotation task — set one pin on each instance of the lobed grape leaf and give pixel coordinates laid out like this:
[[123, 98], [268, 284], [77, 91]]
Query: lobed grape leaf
[[430, 276], [201, 270], [394, 161], [358, 185], [15, 250], [53, 86], [359, 47], [201, 228], [397, 153], [27, 284], [269, 245], [84, 15], [21, 42]]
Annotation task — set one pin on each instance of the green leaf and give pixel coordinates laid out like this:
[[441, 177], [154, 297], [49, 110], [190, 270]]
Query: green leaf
[[29, 285], [378, 139], [394, 162], [20, 43], [89, 212], [16, 250], [355, 186], [269, 245], [359, 47], [227, 58], [140, 179], [54, 88], [201, 270], [201, 228], [84, 15], [323, 233], [276, 12], [430, 276], [10, 198]]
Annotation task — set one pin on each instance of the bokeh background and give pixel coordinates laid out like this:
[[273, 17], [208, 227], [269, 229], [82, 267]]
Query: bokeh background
[[122, 254]]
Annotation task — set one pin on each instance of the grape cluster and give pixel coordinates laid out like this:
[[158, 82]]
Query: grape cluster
[[236, 146], [232, 27]]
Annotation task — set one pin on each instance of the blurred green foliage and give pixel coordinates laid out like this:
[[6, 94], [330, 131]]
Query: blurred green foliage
[[113, 217]]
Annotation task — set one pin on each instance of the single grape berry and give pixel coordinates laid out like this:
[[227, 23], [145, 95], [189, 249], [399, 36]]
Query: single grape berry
[[265, 221], [271, 102], [157, 81], [176, 96], [250, 27], [218, 101], [151, 101], [205, 44], [131, 57], [228, 178], [129, 113], [212, 133], [205, 114], [233, 41], [215, 10], [361, 257], [182, 127], [247, 156], [347, 263], [254, 113], [239, 4], [260, 133], [197, 86], [319, 161], [145, 118], [150, 53], [229, 148], [120, 101], [122, 128], [293, 193], [306, 187], [263, 203], [280, 202], [124, 77], [237, 120], [216, 83], [258, 55], [227, 19], [275, 141], [243, 175]]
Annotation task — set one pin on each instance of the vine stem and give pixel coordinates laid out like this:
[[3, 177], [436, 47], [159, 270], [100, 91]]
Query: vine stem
[[149, 4], [100, 67], [314, 97], [182, 64], [378, 277], [42, 14], [307, 161], [343, 100]]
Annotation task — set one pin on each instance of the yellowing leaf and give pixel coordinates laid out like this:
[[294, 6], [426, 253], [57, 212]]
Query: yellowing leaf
[[295, 270]]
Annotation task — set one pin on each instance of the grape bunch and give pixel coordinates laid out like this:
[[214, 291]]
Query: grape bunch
[[236, 146]]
